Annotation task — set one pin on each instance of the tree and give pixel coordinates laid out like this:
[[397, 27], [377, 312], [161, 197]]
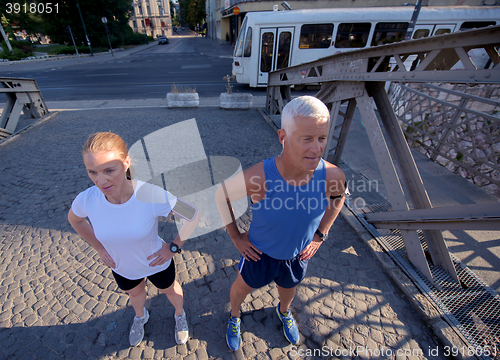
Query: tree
[[17, 19], [66, 13], [196, 12], [117, 12], [172, 7]]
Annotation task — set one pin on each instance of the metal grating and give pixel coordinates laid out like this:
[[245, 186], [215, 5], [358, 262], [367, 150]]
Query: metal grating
[[473, 308]]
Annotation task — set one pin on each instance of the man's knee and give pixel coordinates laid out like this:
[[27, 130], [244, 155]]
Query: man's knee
[[240, 286]]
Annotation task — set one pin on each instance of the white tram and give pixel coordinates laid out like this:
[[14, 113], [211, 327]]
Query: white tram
[[272, 40]]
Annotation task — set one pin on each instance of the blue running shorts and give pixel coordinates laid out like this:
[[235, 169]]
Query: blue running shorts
[[285, 273]]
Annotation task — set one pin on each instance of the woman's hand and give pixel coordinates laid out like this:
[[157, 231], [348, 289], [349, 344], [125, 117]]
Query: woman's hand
[[162, 256], [106, 258], [246, 248]]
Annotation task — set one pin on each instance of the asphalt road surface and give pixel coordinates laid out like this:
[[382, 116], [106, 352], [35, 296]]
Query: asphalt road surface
[[147, 74]]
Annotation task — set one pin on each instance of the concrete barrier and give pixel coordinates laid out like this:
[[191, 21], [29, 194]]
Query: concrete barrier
[[176, 100], [235, 101]]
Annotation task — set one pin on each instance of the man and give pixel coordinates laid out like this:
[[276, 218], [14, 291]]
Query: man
[[295, 197]]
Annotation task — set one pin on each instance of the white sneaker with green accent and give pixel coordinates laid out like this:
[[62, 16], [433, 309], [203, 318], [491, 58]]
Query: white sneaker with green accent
[[137, 330], [181, 329]]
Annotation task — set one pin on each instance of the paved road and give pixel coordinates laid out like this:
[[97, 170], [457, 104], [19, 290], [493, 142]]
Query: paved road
[[59, 301], [150, 73]]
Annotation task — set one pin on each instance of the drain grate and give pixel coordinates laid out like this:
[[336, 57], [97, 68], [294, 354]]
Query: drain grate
[[472, 307]]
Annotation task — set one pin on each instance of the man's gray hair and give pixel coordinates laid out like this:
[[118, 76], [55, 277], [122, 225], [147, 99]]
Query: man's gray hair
[[304, 106]]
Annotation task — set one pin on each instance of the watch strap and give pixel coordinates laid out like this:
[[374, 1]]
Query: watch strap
[[321, 235], [173, 246]]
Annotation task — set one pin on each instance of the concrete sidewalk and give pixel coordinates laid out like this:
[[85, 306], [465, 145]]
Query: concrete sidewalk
[[59, 301]]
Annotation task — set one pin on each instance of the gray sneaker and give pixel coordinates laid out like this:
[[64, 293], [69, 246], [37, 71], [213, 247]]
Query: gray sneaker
[[181, 329], [137, 330]]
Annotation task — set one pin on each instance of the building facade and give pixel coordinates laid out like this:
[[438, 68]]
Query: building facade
[[151, 17], [228, 21]]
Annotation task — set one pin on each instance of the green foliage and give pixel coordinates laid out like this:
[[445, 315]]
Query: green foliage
[[20, 50], [176, 20], [117, 13], [17, 54], [193, 12], [129, 37]]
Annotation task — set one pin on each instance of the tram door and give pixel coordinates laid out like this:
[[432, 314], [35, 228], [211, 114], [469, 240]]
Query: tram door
[[275, 51]]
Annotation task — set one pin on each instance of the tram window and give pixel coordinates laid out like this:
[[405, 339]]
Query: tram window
[[421, 33], [266, 56], [238, 51], [388, 33], [248, 43], [442, 31], [475, 25], [352, 35], [284, 43], [315, 36]]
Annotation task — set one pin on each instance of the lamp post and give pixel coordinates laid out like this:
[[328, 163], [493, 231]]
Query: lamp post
[[104, 21], [84, 29]]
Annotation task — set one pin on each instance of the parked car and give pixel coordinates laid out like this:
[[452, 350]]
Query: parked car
[[162, 40]]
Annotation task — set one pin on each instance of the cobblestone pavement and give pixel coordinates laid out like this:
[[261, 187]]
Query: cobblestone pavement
[[58, 301]]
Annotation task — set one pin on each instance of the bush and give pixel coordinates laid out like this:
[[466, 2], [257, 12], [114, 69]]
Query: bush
[[132, 38], [17, 54], [20, 50]]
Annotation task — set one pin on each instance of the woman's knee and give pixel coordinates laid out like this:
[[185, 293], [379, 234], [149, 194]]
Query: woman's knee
[[175, 288], [138, 290]]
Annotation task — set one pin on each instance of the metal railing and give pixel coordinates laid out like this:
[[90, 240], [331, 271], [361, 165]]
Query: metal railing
[[458, 127], [357, 78], [453, 127], [23, 96]]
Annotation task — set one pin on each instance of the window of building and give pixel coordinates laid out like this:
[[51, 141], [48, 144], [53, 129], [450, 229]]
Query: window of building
[[351, 35], [315, 36], [468, 25], [248, 43], [388, 33]]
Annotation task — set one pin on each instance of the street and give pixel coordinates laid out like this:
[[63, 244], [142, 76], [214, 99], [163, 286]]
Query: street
[[143, 75]]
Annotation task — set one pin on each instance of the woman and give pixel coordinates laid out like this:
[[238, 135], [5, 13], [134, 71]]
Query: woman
[[124, 231]]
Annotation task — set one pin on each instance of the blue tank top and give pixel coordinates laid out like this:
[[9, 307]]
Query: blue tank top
[[284, 222]]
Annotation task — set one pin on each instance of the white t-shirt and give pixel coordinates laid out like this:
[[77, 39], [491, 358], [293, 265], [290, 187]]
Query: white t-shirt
[[129, 231]]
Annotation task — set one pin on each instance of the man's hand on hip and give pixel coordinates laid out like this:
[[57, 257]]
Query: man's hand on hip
[[246, 248], [310, 249]]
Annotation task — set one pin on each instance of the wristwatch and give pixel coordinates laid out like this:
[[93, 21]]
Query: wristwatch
[[175, 248], [321, 235]]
